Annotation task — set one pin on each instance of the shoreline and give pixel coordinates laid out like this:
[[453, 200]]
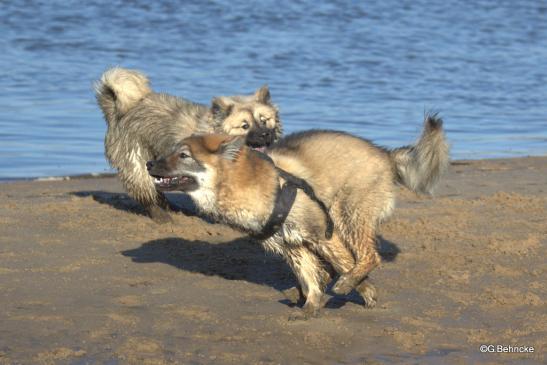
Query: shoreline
[[90, 175], [95, 175], [86, 277]]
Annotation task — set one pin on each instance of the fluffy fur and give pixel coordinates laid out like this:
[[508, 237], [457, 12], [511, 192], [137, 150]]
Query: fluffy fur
[[353, 177], [143, 125], [420, 166]]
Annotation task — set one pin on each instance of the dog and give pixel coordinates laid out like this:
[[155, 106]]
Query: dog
[[354, 178], [143, 124]]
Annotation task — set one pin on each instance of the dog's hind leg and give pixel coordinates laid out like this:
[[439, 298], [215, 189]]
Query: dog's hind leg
[[335, 252], [140, 187], [367, 292], [158, 214], [356, 225], [366, 259], [158, 208]]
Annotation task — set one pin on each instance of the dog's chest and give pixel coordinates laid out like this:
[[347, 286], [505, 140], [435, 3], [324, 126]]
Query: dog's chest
[[205, 200]]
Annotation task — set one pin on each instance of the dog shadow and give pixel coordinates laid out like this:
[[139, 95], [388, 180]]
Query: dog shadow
[[121, 201], [388, 250], [239, 259]]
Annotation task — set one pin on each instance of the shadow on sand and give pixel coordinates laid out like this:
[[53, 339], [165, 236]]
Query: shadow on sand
[[240, 259], [121, 201]]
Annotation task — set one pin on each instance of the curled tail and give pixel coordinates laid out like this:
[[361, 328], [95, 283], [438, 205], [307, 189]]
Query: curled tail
[[419, 167], [119, 90]]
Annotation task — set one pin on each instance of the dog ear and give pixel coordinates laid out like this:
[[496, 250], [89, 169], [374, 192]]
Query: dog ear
[[231, 147], [262, 95], [221, 108]]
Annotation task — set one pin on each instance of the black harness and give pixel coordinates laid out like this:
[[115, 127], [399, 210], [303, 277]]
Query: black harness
[[284, 200]]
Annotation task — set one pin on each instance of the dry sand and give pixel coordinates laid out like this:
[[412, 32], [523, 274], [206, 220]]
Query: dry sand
[[85, 278]]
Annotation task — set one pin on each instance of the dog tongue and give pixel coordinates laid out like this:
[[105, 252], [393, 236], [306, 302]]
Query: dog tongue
[[260, 149]]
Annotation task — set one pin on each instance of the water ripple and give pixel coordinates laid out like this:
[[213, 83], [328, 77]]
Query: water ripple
[[368, 68]]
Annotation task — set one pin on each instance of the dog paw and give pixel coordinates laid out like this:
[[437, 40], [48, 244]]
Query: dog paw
[[293, 294], [343, 285], [297, 316], [368, 292], [311, 310], [160, 216], [303, 315]]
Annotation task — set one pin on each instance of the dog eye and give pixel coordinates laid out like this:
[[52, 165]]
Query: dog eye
[[245, 125], [184, 155], [263, 118]]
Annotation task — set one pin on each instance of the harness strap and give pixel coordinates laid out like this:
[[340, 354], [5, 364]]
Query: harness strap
[[306, 188], [284, 200]]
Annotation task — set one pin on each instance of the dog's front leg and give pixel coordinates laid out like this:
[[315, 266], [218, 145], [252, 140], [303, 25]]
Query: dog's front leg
[[308, 269], [295, 293]]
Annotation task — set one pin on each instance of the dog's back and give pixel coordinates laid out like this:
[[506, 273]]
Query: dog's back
[[336, 164], [336, 161], [159, 121], [140, 119]]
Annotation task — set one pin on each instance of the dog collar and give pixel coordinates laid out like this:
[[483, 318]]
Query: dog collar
[[284, 201]]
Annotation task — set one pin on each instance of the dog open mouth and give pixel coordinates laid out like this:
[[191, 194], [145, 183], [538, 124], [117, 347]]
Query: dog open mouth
[[260, 139], [260, 149], [167, 183]]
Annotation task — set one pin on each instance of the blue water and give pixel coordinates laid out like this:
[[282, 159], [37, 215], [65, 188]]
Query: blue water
[[370, 68]]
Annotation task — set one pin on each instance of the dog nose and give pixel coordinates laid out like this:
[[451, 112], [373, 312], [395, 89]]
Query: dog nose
[[265, 134], [149, 165]]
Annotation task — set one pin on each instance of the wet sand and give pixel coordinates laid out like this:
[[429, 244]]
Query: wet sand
[[86, 278]]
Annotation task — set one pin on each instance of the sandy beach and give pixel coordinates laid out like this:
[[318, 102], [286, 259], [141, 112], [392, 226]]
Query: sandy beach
[[86, 278]]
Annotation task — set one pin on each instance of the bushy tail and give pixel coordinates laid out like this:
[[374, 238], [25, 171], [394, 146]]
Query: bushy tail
[[419, 167], [119, 90]]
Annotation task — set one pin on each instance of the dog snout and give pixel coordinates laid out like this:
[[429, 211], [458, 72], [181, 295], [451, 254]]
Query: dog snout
[[260, 137], [149, 165]]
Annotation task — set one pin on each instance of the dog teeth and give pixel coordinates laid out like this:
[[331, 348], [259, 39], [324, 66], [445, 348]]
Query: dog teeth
[[167, 180], [162, 180]]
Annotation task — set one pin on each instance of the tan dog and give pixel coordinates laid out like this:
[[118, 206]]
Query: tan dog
[[353, 177], [143, 125]]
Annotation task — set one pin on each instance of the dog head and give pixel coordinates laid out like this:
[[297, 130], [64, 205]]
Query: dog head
[[224, 178], [253, 116], [194, 163]]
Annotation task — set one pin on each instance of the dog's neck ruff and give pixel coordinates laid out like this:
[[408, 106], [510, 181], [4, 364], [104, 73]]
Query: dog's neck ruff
[[284, 200]]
